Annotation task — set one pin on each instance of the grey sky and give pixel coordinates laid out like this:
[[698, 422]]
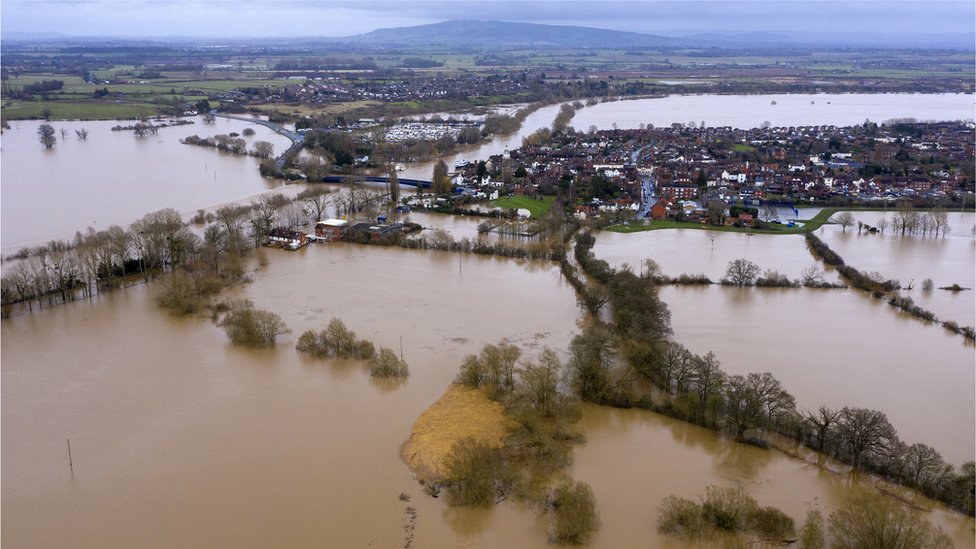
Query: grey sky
[[250, 18]]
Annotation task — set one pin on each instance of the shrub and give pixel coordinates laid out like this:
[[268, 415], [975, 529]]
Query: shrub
[[927, 284], [387, 364], [727, 508], [681, 517], [472, 468], [812, 532], [573, 515], [883, 522], [771, 523], [250, 327]]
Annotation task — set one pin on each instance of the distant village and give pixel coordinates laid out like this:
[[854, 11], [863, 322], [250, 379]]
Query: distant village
[[674, 166]]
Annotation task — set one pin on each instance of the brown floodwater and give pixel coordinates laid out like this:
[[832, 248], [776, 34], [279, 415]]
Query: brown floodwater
[[693, 251], [946, 260], [180, 439], [114, 178], [833, 347]]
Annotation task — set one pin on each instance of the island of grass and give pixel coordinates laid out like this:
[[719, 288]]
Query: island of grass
[[802, 226], [538, 206]]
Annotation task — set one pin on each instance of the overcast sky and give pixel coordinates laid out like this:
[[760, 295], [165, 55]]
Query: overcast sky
[[274, 18]]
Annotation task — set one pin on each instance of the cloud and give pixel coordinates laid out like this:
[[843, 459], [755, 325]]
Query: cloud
[[342, 18]]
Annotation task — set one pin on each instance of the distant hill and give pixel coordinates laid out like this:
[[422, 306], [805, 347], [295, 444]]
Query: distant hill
[[499, 33]]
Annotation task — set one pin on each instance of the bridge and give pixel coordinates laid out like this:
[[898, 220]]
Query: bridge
[[297, 139], [374, 179]]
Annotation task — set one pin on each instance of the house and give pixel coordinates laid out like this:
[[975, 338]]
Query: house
[[287, 238], [331, 229], [373, 231], [660, 209]]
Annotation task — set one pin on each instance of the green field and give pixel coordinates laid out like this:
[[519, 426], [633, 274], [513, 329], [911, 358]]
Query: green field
[[808, 225], [78, 110], [537, 206]]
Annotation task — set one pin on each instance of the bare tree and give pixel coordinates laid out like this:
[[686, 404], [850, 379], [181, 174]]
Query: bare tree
[[880, 521], [314, 167], [234, 218], [940, 221], [864, 432], [741, 272], [822, 421], [263, 149], [64, 133], [845, 219], [708, 380], [82, 134], [317, 199], [883, 224], [812, 276], [266, 211]]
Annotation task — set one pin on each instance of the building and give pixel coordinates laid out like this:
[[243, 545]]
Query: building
[[331, 229], [287, 238], [373, 231]]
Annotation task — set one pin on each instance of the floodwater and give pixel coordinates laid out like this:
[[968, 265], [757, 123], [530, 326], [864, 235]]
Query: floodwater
[[114, 178], [541, 118], [750, 111], [839, 348], [833, 347], [693, 251], [180, 439], [911, 259]]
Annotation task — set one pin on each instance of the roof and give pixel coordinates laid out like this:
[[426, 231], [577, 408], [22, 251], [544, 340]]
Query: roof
[[333, 222]]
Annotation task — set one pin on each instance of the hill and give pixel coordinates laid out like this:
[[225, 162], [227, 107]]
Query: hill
[[499, 33]]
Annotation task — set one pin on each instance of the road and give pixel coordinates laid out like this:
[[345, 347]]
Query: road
[[297, 139]]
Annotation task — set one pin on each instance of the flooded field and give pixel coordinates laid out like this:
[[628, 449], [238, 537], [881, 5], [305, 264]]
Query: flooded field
[[750, 111], [912, 259], [692, 251], [179, 439], [114, 178]]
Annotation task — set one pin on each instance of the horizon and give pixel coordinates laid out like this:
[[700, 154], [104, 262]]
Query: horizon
[[196, 19]]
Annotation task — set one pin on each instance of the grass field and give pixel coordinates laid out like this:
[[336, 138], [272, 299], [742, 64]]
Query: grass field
[[808, 225], [538, 207], [78, 110]]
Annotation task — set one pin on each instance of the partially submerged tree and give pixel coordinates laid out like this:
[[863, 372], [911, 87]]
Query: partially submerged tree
[[741, 272], [250, 327], [572, 512], [45, 132], [883, 522], [845, 219]]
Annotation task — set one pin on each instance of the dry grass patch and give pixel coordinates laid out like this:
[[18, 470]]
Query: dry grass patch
[[460, 412]]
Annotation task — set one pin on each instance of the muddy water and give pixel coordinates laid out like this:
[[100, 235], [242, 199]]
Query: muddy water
[[116, 178], [634, 459], [750, 111], [266, 448], [811, 339], [541, 118], [692, 251], [179, 439], [911, 259], [839, 348]]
